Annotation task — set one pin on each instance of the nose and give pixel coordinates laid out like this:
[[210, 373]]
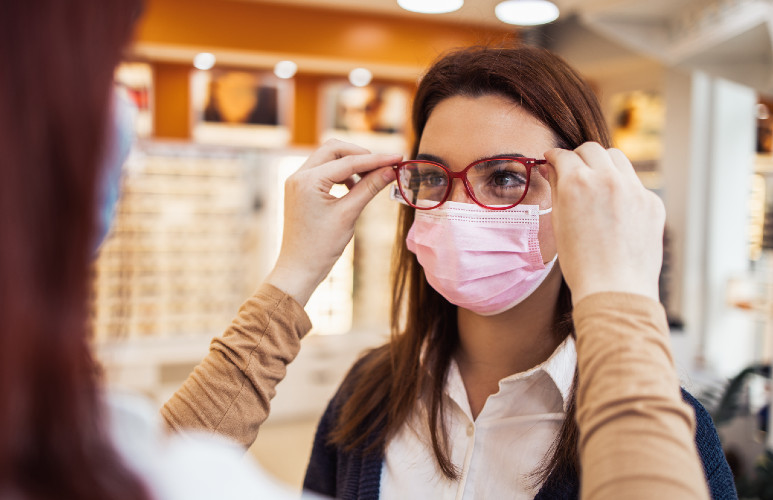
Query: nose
[[459, 192]]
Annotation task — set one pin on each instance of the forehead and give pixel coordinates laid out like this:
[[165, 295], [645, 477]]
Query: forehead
[[463, 129]]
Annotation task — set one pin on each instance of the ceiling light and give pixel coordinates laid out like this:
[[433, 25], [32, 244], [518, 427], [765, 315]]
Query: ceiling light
[[526, 12], [431, 6], [360, 77], [285, 69], [204, 61]]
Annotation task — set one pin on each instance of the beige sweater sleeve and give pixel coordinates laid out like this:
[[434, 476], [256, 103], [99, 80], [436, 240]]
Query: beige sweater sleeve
[[636, 433], [230, 390]]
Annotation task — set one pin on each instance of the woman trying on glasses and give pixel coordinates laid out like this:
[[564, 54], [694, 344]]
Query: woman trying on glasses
[[475, 396]]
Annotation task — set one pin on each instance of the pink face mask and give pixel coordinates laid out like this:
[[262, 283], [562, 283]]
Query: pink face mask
[[486, 261]]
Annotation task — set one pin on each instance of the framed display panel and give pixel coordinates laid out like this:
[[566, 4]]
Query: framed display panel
[[374, 116], [136, 80], [241, 108]]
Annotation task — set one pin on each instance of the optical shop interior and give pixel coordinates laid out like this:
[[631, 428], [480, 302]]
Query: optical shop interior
[[231, 96]]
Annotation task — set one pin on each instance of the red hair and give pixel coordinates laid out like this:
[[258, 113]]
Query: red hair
[[58, 59]]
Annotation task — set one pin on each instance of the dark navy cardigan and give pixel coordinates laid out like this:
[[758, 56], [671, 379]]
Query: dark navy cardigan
[[355, 475]]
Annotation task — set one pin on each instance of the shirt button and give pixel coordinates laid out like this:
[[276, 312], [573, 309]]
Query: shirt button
[[470, 430]]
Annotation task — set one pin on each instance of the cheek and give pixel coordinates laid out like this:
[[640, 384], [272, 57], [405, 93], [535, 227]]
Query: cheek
[[539, 191], [547, 240]]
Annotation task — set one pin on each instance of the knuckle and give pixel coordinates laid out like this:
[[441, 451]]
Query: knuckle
[[333, 145], [609, 184], [588, 146], [295, 180], [658, 206]]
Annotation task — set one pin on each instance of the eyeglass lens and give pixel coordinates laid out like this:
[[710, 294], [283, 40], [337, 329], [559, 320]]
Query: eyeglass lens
[[493, 183]]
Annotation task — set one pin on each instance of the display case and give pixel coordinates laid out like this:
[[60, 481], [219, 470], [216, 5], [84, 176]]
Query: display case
[[197, 228]]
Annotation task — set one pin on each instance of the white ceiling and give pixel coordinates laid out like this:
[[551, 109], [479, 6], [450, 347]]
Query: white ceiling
[[730, 38], [473, 11], [482, 11]]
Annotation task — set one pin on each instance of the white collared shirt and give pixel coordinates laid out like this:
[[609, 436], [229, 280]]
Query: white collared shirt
[[496, 453]]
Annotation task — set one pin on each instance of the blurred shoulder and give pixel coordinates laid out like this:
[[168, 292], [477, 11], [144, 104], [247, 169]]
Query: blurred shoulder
[[192, 466]]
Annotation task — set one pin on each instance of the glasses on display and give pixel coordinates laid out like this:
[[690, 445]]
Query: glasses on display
[[496, 183]]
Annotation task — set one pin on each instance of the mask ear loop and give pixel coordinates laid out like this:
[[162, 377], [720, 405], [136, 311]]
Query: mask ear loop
[[555, 258]]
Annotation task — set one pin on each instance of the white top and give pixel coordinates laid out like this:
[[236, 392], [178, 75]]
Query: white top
[[190, 466], [495, 453]]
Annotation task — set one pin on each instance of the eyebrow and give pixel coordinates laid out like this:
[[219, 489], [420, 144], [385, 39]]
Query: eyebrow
[[437, 159]]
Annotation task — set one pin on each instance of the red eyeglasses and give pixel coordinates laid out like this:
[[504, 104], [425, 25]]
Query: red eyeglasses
[[496, 183]]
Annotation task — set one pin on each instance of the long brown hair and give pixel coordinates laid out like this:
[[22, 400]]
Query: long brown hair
[[386, 382], [57, 59]]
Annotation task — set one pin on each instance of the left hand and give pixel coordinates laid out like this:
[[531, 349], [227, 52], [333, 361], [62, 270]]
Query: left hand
[[608, 226]]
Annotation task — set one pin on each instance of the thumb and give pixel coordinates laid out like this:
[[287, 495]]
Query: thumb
[[368, 187]]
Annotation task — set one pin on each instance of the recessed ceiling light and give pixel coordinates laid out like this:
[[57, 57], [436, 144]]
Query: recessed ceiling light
[[360, 77], [526, 12], [285, 69], [204, 61], [431, 6]]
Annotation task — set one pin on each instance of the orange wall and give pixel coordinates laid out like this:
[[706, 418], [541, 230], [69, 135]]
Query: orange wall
[[266, 28], [250, 25]]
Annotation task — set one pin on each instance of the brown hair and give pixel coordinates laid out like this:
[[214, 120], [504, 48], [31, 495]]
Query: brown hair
[[386, 383], [58, 59]]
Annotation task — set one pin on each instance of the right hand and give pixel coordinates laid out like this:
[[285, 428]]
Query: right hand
[[608, 226], [317, 225]]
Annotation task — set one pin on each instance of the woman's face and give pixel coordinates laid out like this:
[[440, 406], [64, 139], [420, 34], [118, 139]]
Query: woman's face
[[463, 129]]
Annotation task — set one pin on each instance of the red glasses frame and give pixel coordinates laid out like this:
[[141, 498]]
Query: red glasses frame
[[529, 163]]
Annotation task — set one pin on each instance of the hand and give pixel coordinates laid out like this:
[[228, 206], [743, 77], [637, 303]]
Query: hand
[[608, 226], [317, 225]]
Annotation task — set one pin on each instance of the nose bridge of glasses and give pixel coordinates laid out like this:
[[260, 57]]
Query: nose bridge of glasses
[[459, 190]]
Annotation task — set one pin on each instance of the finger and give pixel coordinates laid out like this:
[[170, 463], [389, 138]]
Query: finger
[[348, 166], [332, 149], [622, 163], [548, 172], [367, 188], [562, 163], [595, 156]]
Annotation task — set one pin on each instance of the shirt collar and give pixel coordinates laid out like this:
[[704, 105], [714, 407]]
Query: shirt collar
[[560, 367]]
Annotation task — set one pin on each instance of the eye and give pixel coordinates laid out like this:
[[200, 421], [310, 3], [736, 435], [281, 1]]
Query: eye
[[506, 178], [432, 178]]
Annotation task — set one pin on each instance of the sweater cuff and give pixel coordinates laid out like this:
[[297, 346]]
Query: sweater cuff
[[267, 293], [611, 303]]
